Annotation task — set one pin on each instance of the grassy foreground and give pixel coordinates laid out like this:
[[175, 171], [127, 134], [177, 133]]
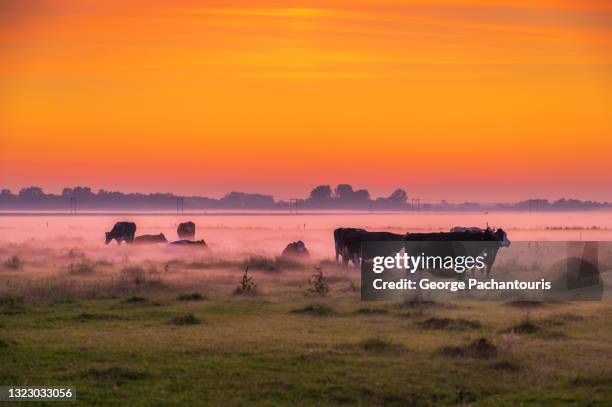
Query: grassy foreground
[[163, 341]]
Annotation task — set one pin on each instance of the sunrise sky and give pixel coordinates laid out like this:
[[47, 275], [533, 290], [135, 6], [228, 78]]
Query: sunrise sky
[[489, 100]]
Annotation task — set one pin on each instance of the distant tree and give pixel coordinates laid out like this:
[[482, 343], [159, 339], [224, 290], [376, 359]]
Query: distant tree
[[344, 192], [322, 193], [31, 192], [361, 195], [398, 196]]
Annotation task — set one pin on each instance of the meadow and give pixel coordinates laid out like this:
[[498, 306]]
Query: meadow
[[160, 326]]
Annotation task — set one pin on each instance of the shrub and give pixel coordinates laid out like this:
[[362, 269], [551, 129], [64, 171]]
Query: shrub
[[81, 269], [315, 309], [247, 285], [190, 297], [318, 284], [187, 319], [13, 262]]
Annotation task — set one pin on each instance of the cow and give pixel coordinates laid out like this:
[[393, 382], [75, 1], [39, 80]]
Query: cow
[[122, 232], [186, 231], [351, 240], [296, 250], [491, 240], [473, 229], [193, 243], [339, 239], [150, 239]]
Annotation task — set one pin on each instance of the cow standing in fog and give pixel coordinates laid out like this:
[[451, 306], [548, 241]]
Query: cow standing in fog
[[348, 242], [122, 232], [186, 231], [479, 242]]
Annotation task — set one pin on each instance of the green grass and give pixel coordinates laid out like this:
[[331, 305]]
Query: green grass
[[281, 348]]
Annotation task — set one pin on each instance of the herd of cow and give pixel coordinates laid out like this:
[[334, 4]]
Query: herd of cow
[[126, 232], [348, 241]]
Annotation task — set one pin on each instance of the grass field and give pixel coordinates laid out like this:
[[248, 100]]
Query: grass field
[[176, 332]]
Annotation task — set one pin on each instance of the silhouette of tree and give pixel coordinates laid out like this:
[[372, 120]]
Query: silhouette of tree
[[322, 193]]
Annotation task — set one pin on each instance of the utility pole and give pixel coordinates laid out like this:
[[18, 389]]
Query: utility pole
[[293, 205], [73, 205], [180, 206]]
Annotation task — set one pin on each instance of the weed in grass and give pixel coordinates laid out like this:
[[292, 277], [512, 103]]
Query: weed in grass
[[372, 311], [85, 316], [135, 300], [506, 366], [81, 269], [318, 284], [12, 306], [247, 285], [14, 263], [187, 319], [525, 304], [191, 297], [450, 324], [381, 345], [479, 349], [114, 376], [525, 327], [315, 309]]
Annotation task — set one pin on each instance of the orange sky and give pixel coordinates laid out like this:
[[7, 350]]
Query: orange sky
[[461, 100]]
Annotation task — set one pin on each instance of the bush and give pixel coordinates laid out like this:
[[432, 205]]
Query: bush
[[190, 297], [81, 269], [13, 262], [247, 285], [187, 319], [318, 284]]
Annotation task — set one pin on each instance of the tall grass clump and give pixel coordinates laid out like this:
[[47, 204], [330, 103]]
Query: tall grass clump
[[14, 262], [318, 284], [247, 286]]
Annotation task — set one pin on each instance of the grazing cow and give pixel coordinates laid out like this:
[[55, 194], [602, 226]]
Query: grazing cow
[[352, 239], [186, 231], [339, 239], [296, 250], [491, 240], [122, 232], [194, 243], [150, 239]]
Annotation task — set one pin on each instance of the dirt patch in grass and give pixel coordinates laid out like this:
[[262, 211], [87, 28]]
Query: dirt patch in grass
[[479, 349], [114, 376], [191, 297], [315, 310], [187, 319], [450, 324]]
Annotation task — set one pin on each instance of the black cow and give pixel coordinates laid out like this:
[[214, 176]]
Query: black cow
[[185, 242], [150, 239], [186, 231], [350, 248], [122, 232], [491, 240], [339, 240], [296, 250]]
